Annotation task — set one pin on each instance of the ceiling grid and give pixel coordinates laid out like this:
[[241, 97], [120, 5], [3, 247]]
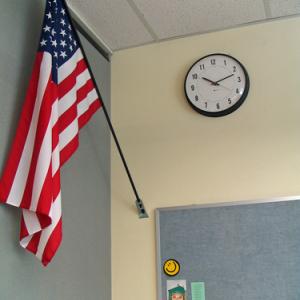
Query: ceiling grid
[[267, 9], [124, 24], [141, 16]]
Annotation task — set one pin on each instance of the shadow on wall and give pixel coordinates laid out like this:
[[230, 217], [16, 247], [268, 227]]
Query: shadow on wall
[[11, 231], [33, 12]]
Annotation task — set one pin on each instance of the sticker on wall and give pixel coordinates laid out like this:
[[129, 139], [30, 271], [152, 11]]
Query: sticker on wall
[[198, 290], [171, 267], [176, 290]]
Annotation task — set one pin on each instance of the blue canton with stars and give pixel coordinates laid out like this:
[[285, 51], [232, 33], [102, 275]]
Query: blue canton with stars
[[57, 36]]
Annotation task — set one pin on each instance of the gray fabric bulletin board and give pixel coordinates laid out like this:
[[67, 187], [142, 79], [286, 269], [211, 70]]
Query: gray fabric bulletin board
[[244, 251]]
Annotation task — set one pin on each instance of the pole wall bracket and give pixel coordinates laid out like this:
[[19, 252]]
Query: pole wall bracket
[[141, 209]]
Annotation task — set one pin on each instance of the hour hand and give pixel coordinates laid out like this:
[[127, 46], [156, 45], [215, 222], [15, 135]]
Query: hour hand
[[212, 82]]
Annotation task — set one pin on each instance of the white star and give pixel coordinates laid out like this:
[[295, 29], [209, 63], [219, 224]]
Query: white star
[[49, 3], [70, 28], [63, 22], [49, 15], [63, 33], [75, 43], [63, 11], [47, 28], [70, 37], [53, 32], [55, 54], [63, 54], [54, 43], [43, 43], [54, 1], [71, 47], [63, 43]]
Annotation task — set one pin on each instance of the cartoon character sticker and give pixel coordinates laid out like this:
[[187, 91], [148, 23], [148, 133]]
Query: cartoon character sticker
[[176, 290]]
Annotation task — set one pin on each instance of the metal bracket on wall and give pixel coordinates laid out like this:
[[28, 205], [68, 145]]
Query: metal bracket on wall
[[141, 209]]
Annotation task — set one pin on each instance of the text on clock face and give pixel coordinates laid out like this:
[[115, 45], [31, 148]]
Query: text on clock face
[[215, 83]]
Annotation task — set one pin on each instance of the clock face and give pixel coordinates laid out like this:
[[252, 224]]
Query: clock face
[[216, 85]]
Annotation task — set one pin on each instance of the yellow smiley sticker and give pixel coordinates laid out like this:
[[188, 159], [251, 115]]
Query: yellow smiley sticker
[[171, 267]]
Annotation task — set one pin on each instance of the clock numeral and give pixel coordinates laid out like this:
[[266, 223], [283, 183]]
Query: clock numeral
[[192, 87], [202, 67], [239, 79], [234, 69], [225, 62], [196, 98], [218, 105], [229, 100], [237, 91], [213, 61], [195, 76], [205, 103]]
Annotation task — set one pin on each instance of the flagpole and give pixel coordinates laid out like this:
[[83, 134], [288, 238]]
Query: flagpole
[[138, 202]]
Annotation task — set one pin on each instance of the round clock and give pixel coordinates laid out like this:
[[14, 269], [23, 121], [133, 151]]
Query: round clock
[[216, 85]]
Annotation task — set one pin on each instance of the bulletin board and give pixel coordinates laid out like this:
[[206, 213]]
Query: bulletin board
[[239, 251]]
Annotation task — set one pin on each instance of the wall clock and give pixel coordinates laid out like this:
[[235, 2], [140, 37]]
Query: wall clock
[[216, 85]]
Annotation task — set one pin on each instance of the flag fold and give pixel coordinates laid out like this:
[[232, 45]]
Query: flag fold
[[60, 99]]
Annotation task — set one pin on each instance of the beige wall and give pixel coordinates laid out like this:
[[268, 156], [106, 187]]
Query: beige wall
[[179, 157]]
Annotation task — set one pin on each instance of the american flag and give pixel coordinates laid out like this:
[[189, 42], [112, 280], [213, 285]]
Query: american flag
[[60, 99]]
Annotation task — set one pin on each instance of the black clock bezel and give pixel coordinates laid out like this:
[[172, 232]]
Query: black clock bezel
[[233, 107]]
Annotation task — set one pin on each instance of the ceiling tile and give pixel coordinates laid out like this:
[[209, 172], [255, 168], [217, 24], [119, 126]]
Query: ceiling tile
[[170, 18], [113, 21], [279, 8]]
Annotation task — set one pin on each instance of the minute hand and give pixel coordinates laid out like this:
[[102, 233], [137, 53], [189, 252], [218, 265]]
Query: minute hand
[[224, 78]]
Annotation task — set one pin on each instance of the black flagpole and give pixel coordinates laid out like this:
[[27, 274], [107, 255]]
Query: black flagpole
[[138, 202]]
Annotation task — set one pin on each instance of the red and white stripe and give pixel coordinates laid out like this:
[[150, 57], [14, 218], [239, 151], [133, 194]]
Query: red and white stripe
[[46, 137]]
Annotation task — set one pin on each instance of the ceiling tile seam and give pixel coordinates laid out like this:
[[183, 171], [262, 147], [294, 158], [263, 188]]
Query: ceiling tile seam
[[267, 7], [269, 20], [141, 17], [97, 38]]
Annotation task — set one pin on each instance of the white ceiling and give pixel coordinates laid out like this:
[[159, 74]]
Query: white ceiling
[[122, 24]]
